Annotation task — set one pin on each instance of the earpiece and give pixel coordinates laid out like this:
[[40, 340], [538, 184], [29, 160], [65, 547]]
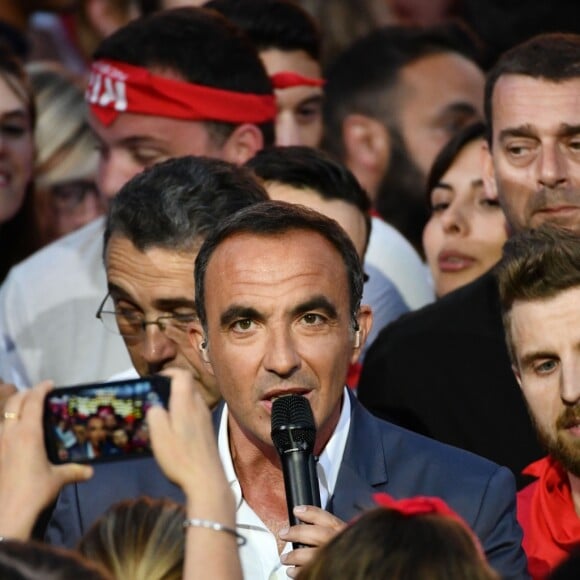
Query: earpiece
[[203, 351], [356, 337]]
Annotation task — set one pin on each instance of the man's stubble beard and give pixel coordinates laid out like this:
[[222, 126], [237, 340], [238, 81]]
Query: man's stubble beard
[[560, 449], [401, 199], [542, 198]]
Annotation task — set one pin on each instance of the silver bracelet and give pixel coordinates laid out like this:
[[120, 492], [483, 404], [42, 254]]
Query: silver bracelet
[[197, 523]]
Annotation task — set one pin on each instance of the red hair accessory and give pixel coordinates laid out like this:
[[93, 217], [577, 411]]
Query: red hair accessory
[[287, 80], [423, 505], [116, 87]]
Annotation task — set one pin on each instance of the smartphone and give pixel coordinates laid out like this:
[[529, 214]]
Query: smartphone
[[100, 422]]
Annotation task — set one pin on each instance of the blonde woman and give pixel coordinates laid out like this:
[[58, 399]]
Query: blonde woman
[[66, 195]]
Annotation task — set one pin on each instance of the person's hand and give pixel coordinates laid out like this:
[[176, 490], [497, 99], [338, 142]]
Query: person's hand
[[184, 444], [28, 481], [6, 391], [321, 527]]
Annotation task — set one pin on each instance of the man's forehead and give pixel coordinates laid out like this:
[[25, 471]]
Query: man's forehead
[[521, 99], [282, 254]]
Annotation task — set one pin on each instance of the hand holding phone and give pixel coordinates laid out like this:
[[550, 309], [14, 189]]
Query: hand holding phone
[[102, 421], [28, 482]]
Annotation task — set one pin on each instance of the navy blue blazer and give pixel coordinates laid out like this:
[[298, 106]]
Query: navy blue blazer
[[378, 456]]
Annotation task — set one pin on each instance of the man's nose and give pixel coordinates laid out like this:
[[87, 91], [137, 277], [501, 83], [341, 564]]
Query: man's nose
[[570, 383], [281, 356], [287, 132], [157, 348], [113, 173], [552, 166]]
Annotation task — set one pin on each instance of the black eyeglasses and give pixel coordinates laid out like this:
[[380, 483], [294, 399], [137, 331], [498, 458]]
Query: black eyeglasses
[[131, 323]]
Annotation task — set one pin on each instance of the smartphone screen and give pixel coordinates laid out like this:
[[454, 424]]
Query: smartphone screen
[[101, 421]]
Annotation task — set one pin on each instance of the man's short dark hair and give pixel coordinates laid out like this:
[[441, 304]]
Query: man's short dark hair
[[274, 218], [280, 24], [364, 78], [307, 168], [537, 264], [553, 57], [199, 45], [174, 205]]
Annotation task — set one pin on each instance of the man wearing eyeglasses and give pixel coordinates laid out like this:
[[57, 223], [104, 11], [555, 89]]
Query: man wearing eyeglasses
[[154, 229], [179, 82]]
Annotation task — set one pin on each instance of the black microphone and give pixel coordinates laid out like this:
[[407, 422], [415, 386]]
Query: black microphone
[[294, 433]]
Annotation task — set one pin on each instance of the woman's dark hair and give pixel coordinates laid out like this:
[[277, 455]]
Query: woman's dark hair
[[33, 560], [450, 152]]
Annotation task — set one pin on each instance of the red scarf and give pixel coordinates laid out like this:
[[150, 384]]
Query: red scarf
[[547, 516]]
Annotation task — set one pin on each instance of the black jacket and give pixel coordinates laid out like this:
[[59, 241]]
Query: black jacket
[[444, 371]]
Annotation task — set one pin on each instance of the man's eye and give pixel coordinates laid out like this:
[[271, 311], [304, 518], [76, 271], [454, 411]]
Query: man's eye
[[546, 367], [308, 114], [519, 150], [147, 157], [184, 317], [312, 319], [242, 325]]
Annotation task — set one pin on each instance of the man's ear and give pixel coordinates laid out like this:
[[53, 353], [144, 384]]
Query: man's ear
[[517, 375], [367, 145], [488, 172], [198, 341], [361, 332], [244, 142]]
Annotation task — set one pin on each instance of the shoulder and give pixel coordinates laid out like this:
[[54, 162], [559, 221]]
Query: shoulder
[[455, 311], [71, 265], [404, 449], [71, 249]]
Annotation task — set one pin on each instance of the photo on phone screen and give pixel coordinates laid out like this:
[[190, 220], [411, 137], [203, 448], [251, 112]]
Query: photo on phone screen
[[101, 421]]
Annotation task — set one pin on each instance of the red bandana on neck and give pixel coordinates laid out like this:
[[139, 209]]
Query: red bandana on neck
[[117, 87], [547, 516], [287, 80]]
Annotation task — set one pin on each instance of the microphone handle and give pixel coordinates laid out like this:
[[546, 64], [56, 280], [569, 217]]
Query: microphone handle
[[300, 482]]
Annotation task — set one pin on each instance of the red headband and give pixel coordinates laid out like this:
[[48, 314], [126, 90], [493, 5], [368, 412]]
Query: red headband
[[287, 79], [422, 505], [115, 87]]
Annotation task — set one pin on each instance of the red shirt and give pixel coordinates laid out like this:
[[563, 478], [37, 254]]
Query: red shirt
[[546, 513]]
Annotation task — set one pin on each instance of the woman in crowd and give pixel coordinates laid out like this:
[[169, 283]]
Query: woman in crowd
[[18, 234], [411, 539], [66, 195], [141, 539], [467, 229]]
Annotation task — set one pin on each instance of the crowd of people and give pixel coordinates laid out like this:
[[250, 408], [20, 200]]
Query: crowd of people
[[366, 204]]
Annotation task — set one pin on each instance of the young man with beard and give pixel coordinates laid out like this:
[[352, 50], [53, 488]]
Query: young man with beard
[[539, 285], [463, 391], [393, 99]]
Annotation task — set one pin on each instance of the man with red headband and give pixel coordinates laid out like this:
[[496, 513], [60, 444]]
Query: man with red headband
[[288, 41], [178, 82]]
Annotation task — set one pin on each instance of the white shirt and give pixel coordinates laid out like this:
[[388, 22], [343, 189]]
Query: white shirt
[[259, 556], [48, 328]]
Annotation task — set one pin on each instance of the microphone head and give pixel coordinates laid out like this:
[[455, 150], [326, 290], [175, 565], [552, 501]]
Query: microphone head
[[293, 425]]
